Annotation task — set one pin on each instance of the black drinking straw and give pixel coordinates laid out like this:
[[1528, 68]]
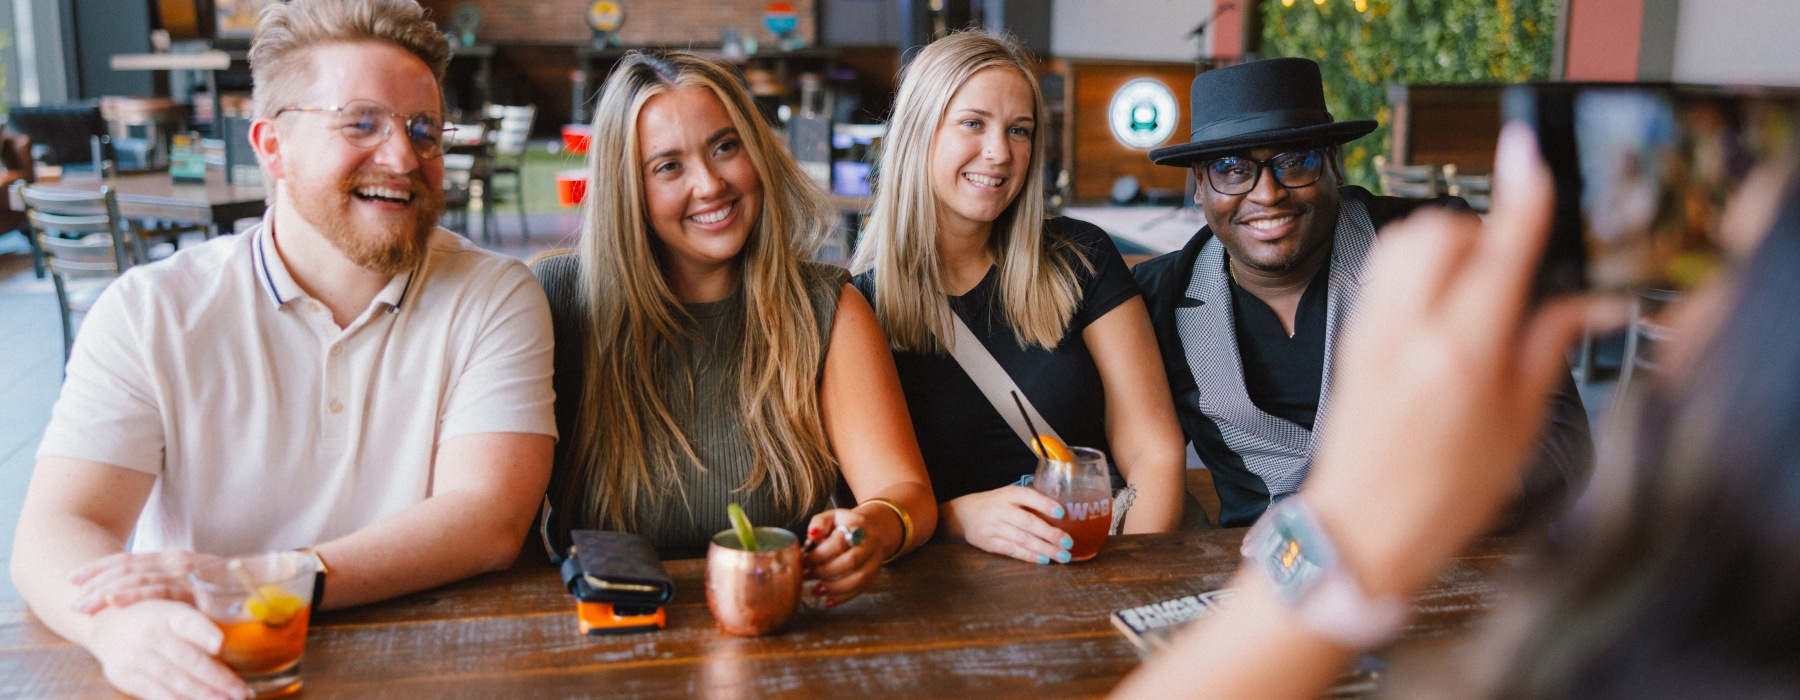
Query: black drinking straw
[[1035, 443]]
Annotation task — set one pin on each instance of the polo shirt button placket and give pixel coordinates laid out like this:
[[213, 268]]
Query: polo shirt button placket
[[334, 389]]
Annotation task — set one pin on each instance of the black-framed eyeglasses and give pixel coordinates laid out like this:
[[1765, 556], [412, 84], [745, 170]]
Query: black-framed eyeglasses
[[1234, 175], [366, 124]]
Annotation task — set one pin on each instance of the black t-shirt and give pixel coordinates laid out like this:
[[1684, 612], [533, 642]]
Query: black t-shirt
[[1283, 375], [968, 446]]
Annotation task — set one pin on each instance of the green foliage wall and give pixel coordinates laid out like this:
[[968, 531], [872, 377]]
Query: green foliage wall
[[1407, 41]]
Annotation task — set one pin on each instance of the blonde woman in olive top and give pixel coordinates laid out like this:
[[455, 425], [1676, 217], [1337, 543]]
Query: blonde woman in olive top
[[700, 360]]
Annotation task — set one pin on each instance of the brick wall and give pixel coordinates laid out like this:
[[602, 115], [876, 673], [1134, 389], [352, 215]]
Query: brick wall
[[647, 22]]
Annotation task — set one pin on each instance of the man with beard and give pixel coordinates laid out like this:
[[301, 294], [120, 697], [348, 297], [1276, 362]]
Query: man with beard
[[1248, 312], [344, 378]]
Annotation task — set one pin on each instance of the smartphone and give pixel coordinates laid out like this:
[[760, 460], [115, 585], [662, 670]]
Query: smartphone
[[610, 618], [1642, 173]]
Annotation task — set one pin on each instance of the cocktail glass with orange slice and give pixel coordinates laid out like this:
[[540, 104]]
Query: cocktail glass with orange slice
[[263, 605], [1078, 478]]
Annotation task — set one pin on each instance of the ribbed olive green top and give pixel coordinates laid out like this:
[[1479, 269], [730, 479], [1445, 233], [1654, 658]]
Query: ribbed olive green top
[[711, 416]]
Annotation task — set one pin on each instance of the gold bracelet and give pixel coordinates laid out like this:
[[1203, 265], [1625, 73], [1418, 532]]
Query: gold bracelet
[[906, 527]]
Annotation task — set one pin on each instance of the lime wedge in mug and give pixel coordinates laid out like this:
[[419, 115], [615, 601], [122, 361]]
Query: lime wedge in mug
[[741, 523]]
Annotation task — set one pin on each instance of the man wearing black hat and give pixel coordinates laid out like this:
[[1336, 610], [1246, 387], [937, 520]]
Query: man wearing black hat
[[1248, 312]]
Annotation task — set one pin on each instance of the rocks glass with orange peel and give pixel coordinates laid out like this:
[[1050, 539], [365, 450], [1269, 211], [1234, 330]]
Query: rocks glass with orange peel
[[263, 604]]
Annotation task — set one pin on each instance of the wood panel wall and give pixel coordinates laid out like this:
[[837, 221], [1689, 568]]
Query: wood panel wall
[[1097, 159], [1446, 124]]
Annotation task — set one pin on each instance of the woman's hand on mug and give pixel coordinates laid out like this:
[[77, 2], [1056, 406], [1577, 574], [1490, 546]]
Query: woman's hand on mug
[[844, 554], [1009, 521]]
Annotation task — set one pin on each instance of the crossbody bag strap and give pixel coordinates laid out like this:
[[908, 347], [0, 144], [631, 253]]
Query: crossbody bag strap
[[996, 384], [999, 387]]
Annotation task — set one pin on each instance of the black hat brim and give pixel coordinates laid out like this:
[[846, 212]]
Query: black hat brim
[[1331, 134]]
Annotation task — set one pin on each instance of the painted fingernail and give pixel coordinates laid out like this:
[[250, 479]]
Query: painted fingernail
[[830, 602], [1057, 513], [1063, 556], [1043, 559], [819, 589], [1067, 542], [814, 533]]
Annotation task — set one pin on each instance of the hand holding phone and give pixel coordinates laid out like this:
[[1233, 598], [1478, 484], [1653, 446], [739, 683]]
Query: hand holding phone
[[1642, 173]]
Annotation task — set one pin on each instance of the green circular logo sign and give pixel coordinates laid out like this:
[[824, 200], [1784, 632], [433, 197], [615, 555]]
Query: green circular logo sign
[[1143, 113]]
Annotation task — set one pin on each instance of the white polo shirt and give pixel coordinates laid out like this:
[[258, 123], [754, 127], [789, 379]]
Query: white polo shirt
[[267, 425]]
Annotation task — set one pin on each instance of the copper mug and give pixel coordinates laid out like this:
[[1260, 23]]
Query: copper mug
[[753, 593]]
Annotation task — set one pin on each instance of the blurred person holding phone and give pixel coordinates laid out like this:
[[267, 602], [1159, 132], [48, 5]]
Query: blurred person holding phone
[[957, 237], [344, 377], [702, 358], [1675, 575]]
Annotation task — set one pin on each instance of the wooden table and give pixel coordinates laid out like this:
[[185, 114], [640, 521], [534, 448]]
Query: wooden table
[[948, 621], [153, 195]]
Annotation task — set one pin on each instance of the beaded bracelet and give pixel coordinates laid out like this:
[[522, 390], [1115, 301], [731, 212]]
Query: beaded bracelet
[[906, 527]]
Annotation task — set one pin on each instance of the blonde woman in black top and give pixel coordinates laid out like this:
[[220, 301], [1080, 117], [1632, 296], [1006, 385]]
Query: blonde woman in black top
[[958, 229]]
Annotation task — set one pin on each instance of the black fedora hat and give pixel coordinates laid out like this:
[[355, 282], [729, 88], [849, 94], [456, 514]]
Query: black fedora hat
[[1277, 102]]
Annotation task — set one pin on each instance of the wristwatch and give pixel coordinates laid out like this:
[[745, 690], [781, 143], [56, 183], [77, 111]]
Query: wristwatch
[[1293, 550]]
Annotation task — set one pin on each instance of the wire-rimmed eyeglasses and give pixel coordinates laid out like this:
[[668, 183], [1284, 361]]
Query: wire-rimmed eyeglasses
[[366, 124], [1235, 175]]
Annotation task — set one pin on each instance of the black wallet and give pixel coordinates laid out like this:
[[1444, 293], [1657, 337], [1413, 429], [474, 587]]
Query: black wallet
[[618, 581]]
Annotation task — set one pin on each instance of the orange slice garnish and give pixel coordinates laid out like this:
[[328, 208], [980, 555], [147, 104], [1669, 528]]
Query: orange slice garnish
[[273, 606], [1053, 449]]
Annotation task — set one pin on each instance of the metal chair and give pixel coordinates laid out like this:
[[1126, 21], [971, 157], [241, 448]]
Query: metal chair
[[506, 150], [1415, 181], [1645, 334], [82, 236], [458, 180], [1474, 189]]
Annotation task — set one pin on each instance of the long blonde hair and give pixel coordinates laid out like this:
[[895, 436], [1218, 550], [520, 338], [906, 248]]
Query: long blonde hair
[[1038, 291], [626, 441]]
